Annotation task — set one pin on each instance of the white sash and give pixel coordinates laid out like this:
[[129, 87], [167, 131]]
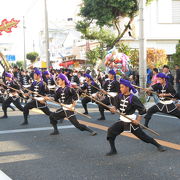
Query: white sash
[[166, 102], [132, 116], [69, 106], [39, 98], [26, 86], [113, 94], [51, 87]]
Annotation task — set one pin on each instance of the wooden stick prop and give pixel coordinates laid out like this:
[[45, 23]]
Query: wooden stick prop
[[19, 91], [144, 89], [99, 102], [32, 92], [58, 103]]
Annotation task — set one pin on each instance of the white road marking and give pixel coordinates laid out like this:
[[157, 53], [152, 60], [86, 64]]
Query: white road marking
[[33, 129], [13, 158], [3, 176]]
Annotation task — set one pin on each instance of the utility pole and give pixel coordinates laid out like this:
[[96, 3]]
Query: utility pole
[[24, 36], [33, 46], [142, 45], [46, 35], [87, 49]]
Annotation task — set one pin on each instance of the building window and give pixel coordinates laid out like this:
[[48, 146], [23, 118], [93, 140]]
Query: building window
[[175, 11]]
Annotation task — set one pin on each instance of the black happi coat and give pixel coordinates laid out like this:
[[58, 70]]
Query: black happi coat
[[128, 104], [65, 95], [39, 87], [11, 84], [17, 75], [25, 79], [49, 81], [111, 86], [75, 79], [168, 88], [90, 89]]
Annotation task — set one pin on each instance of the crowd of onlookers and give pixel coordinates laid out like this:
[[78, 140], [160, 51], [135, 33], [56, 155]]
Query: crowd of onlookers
[[101, 76]]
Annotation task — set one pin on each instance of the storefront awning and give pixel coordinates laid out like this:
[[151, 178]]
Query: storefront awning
[[66, 64]]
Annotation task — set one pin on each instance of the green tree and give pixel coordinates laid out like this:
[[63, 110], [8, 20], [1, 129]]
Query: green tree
[[99, 15], [32, 56], [19, 64], [94, 55], [176, 56]]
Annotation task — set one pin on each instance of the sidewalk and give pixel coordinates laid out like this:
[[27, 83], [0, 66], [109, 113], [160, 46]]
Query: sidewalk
[[149, 104]]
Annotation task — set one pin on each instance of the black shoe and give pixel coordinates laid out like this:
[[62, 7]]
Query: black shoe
[[54, 133], [161, 148], [93, 133], [101, 119], [111, 153], [24, 123], [4, 117], [85, 113]]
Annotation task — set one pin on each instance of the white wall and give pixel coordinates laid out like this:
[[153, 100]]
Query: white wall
[[161, 32], [159, 21]]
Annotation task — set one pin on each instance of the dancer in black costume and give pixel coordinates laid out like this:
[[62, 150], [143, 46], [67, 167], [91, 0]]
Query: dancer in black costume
[[68, 97], [166, 104], [127, 104], [12, 95], [39, 87], [111, 87], [91, 88]]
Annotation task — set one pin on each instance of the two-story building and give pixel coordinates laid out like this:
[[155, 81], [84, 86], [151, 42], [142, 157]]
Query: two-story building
[[162, 26]]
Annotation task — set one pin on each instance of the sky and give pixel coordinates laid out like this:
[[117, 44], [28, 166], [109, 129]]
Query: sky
[[33, 13]]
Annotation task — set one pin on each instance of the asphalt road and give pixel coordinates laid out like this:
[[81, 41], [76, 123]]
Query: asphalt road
[[30, 153]]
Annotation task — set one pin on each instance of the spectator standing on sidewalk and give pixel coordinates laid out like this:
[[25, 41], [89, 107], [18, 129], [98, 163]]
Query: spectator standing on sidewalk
[[154, 80], [177, 79], [149, 76], [167, 72]]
